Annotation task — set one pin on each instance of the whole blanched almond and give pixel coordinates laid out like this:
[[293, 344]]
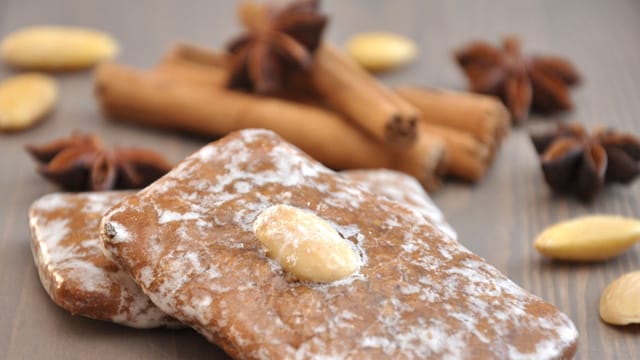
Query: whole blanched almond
[[57, 48], [379, 51], [25, 99], [620, 301], [304, 244], [589, 238]]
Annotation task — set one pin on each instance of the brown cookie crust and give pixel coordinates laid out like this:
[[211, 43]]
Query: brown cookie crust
[[187, 240], [73, 267], [398, 186]]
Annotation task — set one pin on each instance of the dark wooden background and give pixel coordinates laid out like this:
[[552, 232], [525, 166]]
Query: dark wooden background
[[498, 218]]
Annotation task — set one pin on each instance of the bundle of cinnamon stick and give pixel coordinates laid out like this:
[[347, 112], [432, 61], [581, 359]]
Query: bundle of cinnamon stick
[[347, 120]]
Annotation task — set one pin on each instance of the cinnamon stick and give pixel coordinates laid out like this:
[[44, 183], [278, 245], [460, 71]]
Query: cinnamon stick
[[467, 158], [158, 99], [196, 64], [407, 110], [350, 90], [482, 116], [199, 65], [197, 54]]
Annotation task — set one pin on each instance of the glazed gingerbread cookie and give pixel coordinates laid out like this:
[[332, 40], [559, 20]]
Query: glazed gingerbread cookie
[[73, 267], [203, 244], [86, 209]]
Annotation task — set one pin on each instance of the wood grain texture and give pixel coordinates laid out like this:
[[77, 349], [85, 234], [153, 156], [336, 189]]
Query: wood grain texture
[[498, 218]]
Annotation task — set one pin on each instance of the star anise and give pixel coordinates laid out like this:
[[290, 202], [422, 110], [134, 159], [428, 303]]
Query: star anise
[[81, 162], [278, 42], [521, 81], [574, 161]]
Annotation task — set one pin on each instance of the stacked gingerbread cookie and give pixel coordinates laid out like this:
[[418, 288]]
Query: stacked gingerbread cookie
[[269, 254]]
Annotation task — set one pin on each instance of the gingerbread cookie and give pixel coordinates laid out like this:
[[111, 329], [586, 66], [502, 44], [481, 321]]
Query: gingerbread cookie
[[73, 267], [188, 240], [403, 188], [393, 184]]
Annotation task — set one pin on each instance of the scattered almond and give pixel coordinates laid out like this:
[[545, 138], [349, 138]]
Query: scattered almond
[[25, 99], [620, 301], [589, 238], [379, 51], [304, 244], [57, 48]]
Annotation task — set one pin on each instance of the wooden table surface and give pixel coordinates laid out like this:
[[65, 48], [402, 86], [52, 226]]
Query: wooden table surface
[[497, 218]]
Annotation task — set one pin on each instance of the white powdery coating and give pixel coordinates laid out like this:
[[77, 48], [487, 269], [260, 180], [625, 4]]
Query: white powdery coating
[[545, 349], [52, 201], [396, 332], [121, 234], [405, 189], [97, 202], [67, 262], [169, 216], [51, 235], [92, 278]]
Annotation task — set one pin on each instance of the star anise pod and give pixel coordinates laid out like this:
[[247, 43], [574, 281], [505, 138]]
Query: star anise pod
[[574, 161], [81, 162], [521, 81], [278, 42]]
